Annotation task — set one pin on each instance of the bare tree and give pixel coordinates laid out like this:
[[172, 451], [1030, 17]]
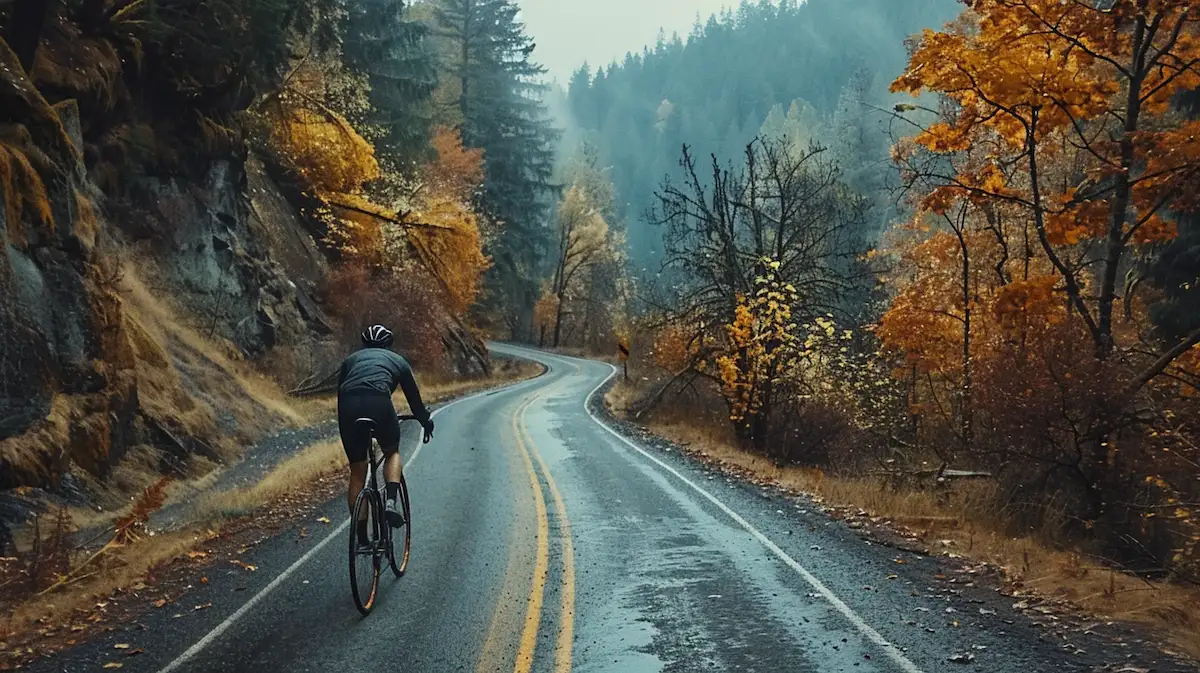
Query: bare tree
[[784, 204]]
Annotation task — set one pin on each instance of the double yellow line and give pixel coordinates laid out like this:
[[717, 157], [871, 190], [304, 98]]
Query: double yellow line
[[537, 594]]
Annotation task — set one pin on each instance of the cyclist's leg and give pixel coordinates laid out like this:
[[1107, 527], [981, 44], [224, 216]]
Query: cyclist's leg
[[388, 434], [357, 444]]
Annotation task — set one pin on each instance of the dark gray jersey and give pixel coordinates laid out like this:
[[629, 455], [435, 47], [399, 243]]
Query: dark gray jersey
[[380, 371]]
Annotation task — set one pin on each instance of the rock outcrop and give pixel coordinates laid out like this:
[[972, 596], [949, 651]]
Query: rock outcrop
[[82, 378]]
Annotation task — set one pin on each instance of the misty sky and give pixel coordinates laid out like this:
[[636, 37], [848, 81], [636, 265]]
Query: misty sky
[[569, 32]]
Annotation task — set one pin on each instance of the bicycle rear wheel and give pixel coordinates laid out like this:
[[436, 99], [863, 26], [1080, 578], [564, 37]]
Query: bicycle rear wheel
[[365, 559], [399, 562]]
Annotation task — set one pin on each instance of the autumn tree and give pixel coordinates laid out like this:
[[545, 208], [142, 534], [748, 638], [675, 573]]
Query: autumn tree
[[586, 277], [1056, 162], [449, 241], [1067, 107], [582, 236]]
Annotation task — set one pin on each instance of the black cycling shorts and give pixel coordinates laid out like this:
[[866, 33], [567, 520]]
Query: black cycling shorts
[[356, 440]]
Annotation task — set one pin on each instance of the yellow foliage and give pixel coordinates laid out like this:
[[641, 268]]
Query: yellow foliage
[[354, 226], [762, 344], [456, 245], [545, 310], [324, 149]]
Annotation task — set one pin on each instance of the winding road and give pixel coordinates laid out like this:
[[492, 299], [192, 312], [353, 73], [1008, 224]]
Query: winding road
[[546, 540]]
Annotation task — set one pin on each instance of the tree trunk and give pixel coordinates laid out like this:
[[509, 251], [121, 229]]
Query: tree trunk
[[558, 316]]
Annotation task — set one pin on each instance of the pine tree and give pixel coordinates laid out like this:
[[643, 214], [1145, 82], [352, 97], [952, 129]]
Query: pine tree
[[393, 53], [502, 112]]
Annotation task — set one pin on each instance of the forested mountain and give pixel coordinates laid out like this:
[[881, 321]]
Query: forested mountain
[[823, 63]]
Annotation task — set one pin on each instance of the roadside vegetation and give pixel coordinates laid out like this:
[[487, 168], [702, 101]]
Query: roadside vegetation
[[1011, 364]]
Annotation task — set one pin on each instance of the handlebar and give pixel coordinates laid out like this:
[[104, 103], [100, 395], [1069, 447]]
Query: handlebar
[[409, 417]]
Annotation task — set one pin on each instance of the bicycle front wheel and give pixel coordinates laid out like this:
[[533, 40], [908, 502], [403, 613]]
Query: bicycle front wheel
[[365, 554], [399, 561]]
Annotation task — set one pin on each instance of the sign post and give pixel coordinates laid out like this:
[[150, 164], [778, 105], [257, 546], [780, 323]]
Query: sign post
[[623, 349]]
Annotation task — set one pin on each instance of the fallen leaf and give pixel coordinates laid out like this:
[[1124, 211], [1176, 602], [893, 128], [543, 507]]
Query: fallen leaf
[[197, 554], [121, 646], [244, 565], [323, 519], [205, 606], [135, 652], [962, 658], [113, 664], [204, 580], [892, 577], [160, 602]]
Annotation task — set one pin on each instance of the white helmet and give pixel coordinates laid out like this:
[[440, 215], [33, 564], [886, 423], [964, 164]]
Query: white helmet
[[377, 336]]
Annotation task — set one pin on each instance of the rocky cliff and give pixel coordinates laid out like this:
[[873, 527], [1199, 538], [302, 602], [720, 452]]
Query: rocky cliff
[[125, 322]]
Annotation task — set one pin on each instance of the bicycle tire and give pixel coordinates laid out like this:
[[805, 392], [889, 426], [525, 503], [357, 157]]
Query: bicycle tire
[[398, 567], [364, 596]]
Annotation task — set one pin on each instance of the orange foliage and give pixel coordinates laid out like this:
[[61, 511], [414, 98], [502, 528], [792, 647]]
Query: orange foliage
[[674, 349], [458, 171], [1058, 154], [455, 247], [1054, 92], [449, 239], [544, 311]]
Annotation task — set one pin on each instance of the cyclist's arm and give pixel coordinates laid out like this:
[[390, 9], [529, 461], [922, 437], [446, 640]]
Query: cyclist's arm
[[412, 393]]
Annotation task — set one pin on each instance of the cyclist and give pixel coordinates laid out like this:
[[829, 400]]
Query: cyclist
[[365, 385]]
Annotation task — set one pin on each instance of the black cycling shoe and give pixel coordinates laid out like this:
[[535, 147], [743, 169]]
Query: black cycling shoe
[[393, 513]]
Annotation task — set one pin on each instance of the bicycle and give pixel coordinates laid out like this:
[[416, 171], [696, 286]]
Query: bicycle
[[381, 536]]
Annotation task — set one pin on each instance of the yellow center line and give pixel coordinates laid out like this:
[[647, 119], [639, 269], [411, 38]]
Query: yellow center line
[[495, 645], [566, 633], [533, 614]]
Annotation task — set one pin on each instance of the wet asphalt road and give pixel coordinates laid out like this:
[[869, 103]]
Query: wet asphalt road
[[543, 541]]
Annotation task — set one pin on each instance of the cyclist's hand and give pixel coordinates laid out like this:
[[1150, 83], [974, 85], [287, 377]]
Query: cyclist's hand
[[428, 431]]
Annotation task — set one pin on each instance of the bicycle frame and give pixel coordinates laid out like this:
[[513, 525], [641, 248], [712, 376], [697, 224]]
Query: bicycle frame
[[374, 497]]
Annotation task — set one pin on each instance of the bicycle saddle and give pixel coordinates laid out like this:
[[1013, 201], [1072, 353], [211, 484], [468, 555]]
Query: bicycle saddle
[[365, 421]]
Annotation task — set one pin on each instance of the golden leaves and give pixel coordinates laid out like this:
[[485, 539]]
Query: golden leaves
[[324, 149], [1077, 222], [674, 348], [453, 243]]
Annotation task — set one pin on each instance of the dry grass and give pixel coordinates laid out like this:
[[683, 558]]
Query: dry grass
[[123, 567], [316, 461], [963, 521]]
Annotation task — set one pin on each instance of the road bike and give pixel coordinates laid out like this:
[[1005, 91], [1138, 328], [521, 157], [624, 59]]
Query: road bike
[[381, 537]]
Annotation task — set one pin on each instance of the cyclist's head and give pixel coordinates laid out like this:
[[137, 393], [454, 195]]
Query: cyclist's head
[[377, 336]]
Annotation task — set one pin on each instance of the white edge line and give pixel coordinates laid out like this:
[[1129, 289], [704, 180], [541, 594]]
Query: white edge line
[[851, 616], [221, 628]]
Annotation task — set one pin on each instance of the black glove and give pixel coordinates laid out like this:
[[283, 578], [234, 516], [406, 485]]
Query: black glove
[[428, 425]]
